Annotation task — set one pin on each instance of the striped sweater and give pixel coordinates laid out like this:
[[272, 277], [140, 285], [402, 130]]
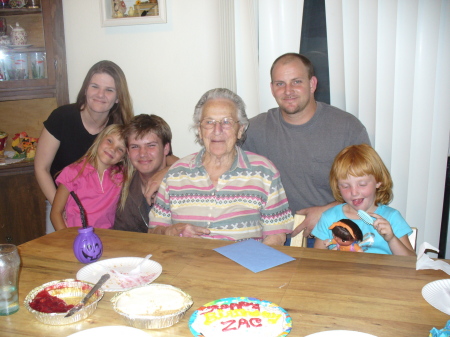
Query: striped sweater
[[248, 202]]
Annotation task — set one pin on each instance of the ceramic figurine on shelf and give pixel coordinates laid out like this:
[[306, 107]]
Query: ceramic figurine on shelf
[[17, 3], [122, 7], [346, 236], [131, 11], [18, 35], [115, 9]]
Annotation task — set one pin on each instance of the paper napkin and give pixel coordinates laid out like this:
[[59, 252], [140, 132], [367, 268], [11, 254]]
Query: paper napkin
[[254, 255], [425, 262]]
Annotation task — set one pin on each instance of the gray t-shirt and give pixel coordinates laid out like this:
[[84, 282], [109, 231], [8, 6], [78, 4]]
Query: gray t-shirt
[[304, 153]]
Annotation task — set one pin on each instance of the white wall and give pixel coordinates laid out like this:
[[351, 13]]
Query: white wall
[[168, 66]]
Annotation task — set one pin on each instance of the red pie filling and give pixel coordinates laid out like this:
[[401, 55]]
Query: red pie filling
[[44, 302]]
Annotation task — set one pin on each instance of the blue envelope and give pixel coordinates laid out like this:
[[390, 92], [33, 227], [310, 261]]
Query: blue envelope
[[254, 255]]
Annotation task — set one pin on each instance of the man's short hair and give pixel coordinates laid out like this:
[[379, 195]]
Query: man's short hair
[[289, 57]]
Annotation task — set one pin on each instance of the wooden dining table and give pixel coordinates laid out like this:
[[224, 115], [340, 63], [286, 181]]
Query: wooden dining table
[[321, 290]]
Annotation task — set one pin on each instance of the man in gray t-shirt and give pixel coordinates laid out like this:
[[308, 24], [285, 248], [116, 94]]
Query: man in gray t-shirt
[[302, 137]]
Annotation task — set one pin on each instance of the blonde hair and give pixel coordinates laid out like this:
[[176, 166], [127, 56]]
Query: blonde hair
[[361, 160], [122, 167]]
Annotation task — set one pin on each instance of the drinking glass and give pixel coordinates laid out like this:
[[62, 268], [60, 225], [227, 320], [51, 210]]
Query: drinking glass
[[21, 66], [34, 3], [2, 70], [38, 65], [9, 276], [10, 69], [2, 26]]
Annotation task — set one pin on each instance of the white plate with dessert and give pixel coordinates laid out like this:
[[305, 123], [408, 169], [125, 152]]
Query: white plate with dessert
[[118, 269]]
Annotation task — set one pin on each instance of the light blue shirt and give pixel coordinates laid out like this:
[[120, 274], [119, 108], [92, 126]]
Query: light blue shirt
[[372, 241]]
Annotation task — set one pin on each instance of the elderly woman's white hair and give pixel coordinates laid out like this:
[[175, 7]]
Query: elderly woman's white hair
[[220, 93]]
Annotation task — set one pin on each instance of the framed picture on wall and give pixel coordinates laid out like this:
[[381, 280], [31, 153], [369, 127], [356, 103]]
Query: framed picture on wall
[[132, 12]]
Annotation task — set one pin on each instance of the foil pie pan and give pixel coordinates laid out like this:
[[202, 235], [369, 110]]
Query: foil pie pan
[[72, 292], [151, 320]]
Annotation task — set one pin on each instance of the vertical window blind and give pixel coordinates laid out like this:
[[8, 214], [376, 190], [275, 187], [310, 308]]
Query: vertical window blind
[[388, 65]]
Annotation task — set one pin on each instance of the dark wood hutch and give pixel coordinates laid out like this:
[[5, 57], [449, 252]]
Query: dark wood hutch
[[24, 105]]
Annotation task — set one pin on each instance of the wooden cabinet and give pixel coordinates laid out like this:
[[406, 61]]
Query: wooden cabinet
[[45, 30], [24, 104], [22, 204]]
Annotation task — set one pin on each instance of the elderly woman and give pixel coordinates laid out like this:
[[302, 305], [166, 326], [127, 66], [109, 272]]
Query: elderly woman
[[222, 192]]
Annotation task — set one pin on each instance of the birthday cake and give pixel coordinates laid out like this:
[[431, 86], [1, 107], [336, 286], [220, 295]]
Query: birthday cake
[[240, 316]]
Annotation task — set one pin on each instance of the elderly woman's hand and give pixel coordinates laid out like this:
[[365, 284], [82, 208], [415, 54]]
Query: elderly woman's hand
[[191, 231], [181, 229], [275, 239]]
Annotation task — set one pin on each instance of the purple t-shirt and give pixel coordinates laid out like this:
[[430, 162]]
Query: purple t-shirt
[[99, 198]]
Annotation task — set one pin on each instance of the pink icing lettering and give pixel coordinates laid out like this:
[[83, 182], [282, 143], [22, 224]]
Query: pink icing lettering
[[256, 322], [242, 322], [255, 306], [211, 308], [228, 327], [234, 306]]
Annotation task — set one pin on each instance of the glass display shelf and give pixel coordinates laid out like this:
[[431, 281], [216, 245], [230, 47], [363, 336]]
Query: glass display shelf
[[31, 49], [19, 11]]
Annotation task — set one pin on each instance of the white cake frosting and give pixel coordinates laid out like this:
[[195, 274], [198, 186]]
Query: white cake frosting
[[152, 301]]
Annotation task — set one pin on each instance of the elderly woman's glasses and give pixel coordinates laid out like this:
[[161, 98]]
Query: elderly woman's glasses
[[226, 123]]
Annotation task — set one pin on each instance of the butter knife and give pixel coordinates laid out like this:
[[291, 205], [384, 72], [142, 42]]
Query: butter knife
[[86, 298]]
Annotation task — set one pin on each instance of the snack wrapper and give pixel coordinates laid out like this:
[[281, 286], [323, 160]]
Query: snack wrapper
[[425, 262], [445, 332]]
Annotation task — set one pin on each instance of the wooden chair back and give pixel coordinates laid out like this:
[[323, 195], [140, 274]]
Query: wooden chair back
[[299, 240], [413, 237]]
